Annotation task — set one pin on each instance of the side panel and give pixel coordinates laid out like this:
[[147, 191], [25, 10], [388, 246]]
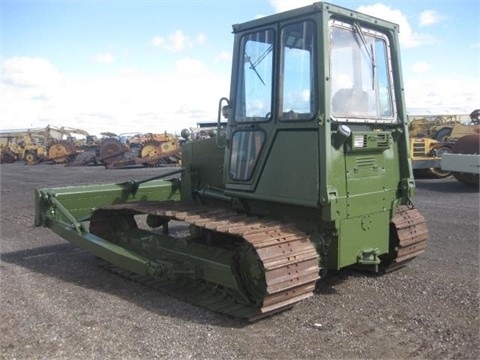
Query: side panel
[[366, 184], [371, 173], [291, 169], [203, 163], [369, 231]]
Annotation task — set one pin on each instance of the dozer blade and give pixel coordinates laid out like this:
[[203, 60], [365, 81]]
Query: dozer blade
[[74, 204]]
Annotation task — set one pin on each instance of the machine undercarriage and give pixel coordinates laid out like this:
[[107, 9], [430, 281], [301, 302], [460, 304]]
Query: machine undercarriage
[[232, 263]]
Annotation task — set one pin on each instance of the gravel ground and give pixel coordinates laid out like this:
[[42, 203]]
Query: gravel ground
[[58, 303]]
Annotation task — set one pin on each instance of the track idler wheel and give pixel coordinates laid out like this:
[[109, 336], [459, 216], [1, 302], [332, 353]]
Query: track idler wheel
[[252, 274]]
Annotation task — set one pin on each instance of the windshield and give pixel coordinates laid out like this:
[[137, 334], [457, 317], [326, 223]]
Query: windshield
[[361, 87]]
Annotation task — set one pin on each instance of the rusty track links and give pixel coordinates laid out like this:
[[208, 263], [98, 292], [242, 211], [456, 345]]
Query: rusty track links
[[289, 259], [412, 234]]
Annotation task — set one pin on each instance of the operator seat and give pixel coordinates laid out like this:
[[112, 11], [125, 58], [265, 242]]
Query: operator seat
[[350, 103]]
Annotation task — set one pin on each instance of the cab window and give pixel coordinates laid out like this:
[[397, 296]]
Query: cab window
[[361, 82], [254, 91], [246, 147], [297, 101]]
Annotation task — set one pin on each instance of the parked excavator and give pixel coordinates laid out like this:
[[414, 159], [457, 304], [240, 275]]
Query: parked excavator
[[312, 174]]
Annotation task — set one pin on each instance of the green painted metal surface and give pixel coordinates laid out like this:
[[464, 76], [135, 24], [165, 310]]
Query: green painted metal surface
[[291, 173], [80, 201], [290, 152], [67, 209]]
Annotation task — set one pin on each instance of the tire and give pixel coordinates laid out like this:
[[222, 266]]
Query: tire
[[443, 134], [31, 158]]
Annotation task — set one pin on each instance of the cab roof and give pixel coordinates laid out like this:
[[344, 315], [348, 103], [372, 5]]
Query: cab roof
[[316, 7]]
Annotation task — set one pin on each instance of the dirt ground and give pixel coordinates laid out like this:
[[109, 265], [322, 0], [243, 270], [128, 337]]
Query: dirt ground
[[58, 303]]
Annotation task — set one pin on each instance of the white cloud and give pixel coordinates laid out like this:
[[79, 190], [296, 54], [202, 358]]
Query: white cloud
[[28, 86], [224, 56], [104, 58], [159, 41], [130, 100], [284, 5], [201, 38], [421, 67], [437, 92], [190, 67], [35, 94], [29, 72], [129, 71], [407, 36], [178, 41], [174, 42], [430, 17]]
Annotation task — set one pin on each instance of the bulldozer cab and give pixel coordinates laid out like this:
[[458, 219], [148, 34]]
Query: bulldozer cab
[[303, 81]]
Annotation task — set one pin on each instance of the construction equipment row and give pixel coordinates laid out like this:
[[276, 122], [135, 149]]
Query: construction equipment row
[[435, 133], [61, 146]]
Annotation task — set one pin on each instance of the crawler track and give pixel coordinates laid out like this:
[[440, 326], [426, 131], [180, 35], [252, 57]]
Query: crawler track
[[410, 236], [288, 263], [288, 260]]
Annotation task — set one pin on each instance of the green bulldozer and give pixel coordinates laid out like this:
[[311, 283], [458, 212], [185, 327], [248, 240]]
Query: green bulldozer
[[313, 173]]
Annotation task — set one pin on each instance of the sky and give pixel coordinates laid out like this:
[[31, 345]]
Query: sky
[[162, 65]]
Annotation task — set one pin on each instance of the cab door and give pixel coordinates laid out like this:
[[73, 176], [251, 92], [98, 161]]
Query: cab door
[[274, 104]]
